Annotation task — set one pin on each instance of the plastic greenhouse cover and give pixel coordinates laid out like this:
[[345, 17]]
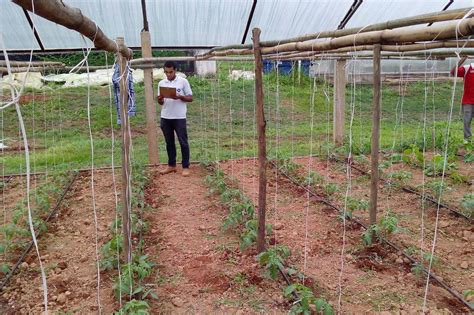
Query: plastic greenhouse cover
[[375, 11], [280, 19], [172, 22], [193, 23], [14, 29]]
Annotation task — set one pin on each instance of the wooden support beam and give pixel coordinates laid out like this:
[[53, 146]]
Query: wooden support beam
[[397, 36], [339, 101], [72, 18], [150, 105], [374, 154], [125, 128], [408, 50], [262, 154], [414, 20]]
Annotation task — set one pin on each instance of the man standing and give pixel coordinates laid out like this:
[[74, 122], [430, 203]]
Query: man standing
[[467, 72], [173, 117]]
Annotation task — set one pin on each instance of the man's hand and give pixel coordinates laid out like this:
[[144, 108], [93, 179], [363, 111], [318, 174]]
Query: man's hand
[[161, 99]]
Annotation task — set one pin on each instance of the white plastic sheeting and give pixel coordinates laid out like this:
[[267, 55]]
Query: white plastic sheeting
[[375, 11], [15, 32], [198, 23], [280, 19], [36, 80]]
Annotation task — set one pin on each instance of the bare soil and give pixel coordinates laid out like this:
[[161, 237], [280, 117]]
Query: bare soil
[[201, 269], [375, 280]]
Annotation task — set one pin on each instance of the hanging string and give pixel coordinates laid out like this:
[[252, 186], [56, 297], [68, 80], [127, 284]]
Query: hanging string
[[218, 116], [15, 96], [114, 181], [277, 140], [313, 88], [443, 175], [231, 122], [423, 192], [214, 116], [91, 141], [293, 113]]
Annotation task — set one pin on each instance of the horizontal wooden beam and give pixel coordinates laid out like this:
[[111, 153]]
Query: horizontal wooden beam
[[446, 31], [414, 20]]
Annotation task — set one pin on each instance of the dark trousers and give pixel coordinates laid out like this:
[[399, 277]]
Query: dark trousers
[[169, 127]]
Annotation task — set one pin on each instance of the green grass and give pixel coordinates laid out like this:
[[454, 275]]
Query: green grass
[[221, 121]]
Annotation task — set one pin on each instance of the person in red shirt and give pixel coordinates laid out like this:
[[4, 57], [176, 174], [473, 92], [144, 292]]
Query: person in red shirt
[[466, 72]]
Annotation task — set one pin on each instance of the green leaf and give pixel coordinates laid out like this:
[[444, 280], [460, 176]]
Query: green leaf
[[4, 268]]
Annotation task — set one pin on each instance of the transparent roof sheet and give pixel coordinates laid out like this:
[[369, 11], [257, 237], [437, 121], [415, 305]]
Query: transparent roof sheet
[[279, 19], [205, 23], [15, 31], [459, 4], [375, 11]]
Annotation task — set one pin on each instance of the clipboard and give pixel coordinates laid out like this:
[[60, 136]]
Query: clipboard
[[167, 92]]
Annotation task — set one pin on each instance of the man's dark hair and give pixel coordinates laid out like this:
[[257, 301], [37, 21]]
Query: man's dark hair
[[170, 64]]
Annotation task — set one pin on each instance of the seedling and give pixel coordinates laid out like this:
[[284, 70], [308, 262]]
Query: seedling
[[307, 301], [401, 175], [413, 156], [387, 226], [273, 259], [467, 205], [249, 234], [354, 204], [435, 168], [330, 189], [417, 269], [135, 307], [438, 187]]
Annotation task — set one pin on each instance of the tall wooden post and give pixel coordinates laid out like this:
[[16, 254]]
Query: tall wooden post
[[151, 126], [374, 178], [339, 101], [262, 155], [125, 154]]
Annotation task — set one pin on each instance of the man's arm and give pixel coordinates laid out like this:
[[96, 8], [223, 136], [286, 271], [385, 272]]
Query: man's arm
[[184, 98], [455, 70]]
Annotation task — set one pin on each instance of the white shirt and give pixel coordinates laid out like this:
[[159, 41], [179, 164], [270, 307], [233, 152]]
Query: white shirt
[[175, 109]]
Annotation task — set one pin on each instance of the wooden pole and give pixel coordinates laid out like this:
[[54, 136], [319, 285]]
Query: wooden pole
[[262, 158], [125, 155], [374, 175], [339, 101], [151, 126]]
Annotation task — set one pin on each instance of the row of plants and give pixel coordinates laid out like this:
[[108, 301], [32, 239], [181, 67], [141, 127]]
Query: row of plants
[[129, 279], [241, 218], [386, 226], [16, 231], [434, 187], [241, 211]]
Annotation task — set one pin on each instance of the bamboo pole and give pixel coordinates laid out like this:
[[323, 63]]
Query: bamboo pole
[[398, 36], [262, 159], [414, 20], [151, 126], [72, 18], [125, 155], [153, 61], [374, 154], [3, 63], [410, 49]]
